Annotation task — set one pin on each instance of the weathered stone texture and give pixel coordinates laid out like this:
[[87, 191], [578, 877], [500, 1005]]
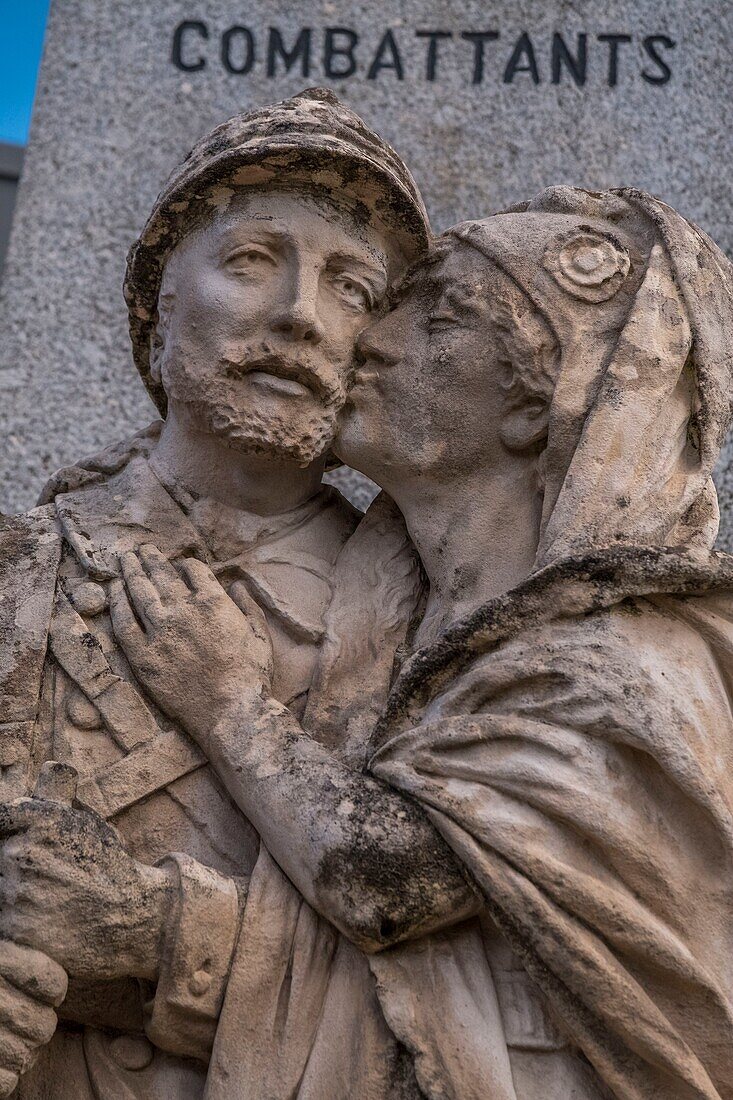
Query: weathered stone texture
[[114, 115]]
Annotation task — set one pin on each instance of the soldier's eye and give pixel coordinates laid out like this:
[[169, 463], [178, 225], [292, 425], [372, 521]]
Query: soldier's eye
[[252, 257], [353, 293]]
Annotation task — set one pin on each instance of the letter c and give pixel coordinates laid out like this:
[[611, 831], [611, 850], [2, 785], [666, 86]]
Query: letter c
[[177, 47]]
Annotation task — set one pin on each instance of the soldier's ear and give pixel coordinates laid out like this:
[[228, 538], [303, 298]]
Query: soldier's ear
[[156, 354], [159, 335]]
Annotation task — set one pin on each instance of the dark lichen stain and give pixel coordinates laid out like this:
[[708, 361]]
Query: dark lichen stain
[[392, 871]]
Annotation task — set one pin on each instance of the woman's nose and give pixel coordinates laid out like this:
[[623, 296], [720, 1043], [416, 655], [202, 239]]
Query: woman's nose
[[373, 343]]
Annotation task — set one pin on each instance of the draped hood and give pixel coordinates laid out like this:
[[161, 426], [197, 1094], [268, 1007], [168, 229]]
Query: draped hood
[[638, 300]]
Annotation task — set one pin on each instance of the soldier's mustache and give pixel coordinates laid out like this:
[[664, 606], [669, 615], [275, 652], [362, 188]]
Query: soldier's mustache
[[323, 380]]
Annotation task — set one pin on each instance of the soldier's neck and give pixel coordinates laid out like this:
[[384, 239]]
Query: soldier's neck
[[200, 464]]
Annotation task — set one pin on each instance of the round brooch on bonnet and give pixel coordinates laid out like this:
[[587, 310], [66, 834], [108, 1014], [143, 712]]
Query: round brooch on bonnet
[[587, 264]]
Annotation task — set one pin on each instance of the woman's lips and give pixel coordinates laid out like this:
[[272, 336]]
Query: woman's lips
[[364, 375]]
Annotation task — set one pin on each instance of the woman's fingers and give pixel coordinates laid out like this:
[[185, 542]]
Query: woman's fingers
[[125, 625], [163, 574], [141, 590], [199, 576], [247, 604]]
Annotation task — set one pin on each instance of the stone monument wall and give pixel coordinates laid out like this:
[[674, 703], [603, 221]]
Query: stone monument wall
[[513, 96]]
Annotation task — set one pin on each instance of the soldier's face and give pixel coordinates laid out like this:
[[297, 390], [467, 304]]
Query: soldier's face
[[260, 310]]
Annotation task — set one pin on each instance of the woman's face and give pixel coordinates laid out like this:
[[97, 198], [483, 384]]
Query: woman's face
[[427, 398]]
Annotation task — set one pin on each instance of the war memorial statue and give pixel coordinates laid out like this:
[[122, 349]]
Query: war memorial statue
[[434, 802]]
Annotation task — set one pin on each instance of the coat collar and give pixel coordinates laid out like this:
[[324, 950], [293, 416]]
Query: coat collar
[[131, 508], [572, 587]]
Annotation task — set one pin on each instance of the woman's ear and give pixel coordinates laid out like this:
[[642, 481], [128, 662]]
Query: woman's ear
[[524, 427]]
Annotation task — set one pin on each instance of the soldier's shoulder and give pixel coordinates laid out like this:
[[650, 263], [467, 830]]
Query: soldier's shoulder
[[101, 466], [27, 535]]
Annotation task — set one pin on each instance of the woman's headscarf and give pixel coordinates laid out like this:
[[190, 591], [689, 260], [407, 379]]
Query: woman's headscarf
[[641, 304]]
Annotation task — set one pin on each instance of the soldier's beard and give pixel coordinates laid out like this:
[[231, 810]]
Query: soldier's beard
[[249, 431], [221, 402]]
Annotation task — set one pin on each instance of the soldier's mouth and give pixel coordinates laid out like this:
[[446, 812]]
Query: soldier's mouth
[[278, 376], [273, 382]]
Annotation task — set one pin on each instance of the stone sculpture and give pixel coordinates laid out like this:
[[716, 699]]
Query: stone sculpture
[[474, 812]]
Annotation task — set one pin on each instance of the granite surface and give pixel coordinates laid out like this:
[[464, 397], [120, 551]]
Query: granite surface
[[512, 98]]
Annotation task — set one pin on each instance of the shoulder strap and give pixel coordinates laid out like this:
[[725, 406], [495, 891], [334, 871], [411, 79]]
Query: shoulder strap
[[30, 550]]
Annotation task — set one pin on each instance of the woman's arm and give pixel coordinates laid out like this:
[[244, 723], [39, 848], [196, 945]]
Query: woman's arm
[[365, 857]]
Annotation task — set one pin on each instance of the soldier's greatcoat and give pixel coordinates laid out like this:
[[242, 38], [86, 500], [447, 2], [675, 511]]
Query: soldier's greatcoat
[[68, 694]]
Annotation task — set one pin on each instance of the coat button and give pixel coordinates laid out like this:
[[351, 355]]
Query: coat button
[[199, 983], [89, 598], [131, 1051], [81, 712]]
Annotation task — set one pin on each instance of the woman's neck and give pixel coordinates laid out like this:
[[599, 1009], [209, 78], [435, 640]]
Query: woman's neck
[[200, 464], [476, 536]]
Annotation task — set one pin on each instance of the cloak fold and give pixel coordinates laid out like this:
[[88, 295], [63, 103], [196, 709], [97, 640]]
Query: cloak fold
[[582, 769]]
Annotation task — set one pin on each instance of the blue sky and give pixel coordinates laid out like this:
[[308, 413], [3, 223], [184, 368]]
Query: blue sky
[[22, 23]]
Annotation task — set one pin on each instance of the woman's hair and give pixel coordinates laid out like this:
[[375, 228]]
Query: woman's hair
[[531, 353], [532, 358]]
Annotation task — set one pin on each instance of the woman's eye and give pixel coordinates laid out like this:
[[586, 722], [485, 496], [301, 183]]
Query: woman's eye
[[353, 293]]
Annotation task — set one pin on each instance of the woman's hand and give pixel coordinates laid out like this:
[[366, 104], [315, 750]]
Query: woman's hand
[[191, 647]]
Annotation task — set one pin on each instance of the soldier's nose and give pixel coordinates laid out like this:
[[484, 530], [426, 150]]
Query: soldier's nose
[[295, 325], [297, 317]]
